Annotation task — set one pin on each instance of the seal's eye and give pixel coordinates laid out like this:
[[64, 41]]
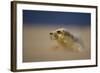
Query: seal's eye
[[51, 33], [59, 32]]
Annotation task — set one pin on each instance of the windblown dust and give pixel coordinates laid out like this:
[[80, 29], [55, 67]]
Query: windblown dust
[[37, 45]]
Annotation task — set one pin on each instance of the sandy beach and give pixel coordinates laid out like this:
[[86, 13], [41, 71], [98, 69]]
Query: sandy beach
[[37, 45]]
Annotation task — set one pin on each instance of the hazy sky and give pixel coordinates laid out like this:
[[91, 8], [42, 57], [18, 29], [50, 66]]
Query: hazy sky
[[31, 17]]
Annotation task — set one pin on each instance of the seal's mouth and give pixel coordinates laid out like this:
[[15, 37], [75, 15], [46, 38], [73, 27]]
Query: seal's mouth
[[52, 37], [55, 36]]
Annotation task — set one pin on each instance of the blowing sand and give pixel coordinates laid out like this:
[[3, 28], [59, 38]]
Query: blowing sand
[[37, 45]]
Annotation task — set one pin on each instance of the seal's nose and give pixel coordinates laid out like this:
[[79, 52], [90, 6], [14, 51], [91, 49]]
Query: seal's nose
[[51, 33]]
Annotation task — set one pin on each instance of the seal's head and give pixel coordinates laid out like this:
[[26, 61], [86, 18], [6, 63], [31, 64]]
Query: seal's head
[[59, 33]]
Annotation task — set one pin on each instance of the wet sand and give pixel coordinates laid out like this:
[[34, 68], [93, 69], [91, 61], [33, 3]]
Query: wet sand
[[37, 45]]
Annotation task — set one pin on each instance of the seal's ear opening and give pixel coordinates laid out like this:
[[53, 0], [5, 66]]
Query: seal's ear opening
[[68, 34]]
